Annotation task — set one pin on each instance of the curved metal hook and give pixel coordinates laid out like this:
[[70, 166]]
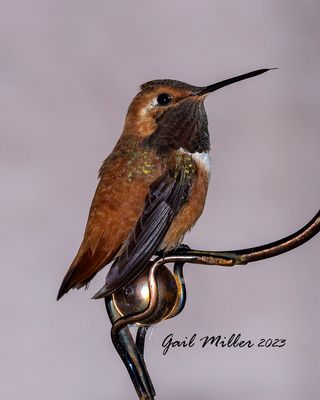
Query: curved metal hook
[[220, 258], [245, 256]]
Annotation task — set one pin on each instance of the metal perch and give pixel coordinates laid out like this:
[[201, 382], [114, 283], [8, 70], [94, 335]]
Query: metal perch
[[159, 294]]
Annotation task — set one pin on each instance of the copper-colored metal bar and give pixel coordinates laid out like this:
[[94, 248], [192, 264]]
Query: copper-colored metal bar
[[182, 297], [220, 258], [140, 339], [131, 355], [245, 256]]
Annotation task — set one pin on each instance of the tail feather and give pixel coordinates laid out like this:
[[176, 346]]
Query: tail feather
[[81, 271]]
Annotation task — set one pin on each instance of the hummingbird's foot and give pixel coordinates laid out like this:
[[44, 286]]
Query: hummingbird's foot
[[182, 247]]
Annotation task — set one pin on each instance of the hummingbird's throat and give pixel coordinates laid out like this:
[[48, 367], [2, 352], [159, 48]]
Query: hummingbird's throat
[[183, 126]]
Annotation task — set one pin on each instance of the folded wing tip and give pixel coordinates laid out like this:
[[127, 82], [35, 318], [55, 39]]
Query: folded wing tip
[[103, 292]]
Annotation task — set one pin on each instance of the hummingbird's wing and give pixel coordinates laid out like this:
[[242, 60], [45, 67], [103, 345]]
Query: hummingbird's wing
[[116, 206], [165, 199]]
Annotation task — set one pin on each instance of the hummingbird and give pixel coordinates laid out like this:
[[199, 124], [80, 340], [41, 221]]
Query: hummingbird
[[152, 187]]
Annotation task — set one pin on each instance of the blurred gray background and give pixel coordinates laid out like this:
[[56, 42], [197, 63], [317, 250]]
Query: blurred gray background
[[68, 70]]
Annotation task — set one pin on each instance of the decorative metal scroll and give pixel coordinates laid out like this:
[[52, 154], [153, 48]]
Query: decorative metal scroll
[[159, 294]]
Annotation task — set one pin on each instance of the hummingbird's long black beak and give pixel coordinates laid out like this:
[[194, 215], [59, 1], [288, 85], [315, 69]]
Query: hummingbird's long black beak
[[219, 85]]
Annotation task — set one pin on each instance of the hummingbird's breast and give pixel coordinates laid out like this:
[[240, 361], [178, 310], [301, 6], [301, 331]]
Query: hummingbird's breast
[[182, 137], [198, 164]]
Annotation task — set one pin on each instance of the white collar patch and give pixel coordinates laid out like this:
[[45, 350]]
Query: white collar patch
[[200, 158]]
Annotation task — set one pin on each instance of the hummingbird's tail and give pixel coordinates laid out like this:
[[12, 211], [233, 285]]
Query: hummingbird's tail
[[82, 270]]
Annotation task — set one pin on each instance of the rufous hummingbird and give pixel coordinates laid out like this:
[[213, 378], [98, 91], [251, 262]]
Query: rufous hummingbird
[[152, 186]]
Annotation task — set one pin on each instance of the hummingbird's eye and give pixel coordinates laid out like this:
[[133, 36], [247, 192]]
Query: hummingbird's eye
[[163, 99]]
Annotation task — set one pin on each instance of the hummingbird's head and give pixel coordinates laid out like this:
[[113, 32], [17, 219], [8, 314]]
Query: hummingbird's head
[[169, 114]]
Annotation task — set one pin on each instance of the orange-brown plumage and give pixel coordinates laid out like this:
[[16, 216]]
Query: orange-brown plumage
[[125, 178], [189, 214], [152, 187], [116, 206]]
